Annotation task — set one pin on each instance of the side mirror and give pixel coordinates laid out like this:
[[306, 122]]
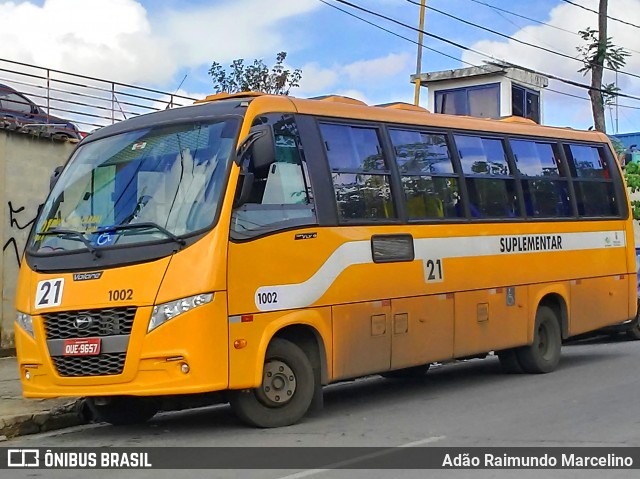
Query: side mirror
[[259, 148], [260, 144], [54, 176], [245, 190]]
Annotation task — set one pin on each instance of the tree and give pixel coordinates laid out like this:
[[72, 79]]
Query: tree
[[598, 52], [255, 77]]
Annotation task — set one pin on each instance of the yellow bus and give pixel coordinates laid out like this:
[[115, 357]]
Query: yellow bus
[[264, 246]]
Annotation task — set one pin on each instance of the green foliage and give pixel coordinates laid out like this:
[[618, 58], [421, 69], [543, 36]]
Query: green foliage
[[594, 53], [618, 146], [609, 93], [255, 77], [632, 178]]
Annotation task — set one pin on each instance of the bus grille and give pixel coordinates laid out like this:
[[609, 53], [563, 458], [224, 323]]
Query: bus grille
[[106, 364], [89, 323]]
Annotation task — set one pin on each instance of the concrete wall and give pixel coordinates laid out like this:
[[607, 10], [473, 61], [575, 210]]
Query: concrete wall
[[26, 164]]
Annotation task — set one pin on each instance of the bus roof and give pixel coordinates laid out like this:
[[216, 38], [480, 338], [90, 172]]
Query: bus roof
[[337, 106], [340, 107]]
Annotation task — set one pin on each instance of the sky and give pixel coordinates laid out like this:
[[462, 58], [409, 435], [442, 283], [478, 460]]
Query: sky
[[155, 43]]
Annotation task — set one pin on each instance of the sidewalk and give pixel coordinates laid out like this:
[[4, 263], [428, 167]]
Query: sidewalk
[[19, 416]]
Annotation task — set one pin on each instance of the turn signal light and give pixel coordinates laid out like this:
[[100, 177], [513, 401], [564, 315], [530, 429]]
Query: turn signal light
[[240, 343]]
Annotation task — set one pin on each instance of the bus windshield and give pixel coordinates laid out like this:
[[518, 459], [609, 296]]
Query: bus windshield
[[153, 184]]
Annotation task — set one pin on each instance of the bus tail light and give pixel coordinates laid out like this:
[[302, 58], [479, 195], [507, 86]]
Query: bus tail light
[[166, 311]]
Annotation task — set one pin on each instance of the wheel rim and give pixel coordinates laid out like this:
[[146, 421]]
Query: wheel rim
[[278, 384]]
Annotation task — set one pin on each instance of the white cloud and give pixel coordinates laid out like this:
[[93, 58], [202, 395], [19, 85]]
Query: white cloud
[[119, 40], [317, 79], [348, 78], [388, 66]]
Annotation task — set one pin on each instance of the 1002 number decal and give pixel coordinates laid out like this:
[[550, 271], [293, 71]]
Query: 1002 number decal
[[267, 298], [120, 294]]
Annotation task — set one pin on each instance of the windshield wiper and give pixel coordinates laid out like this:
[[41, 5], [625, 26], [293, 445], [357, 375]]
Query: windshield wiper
[[146, 225], [72, 234]]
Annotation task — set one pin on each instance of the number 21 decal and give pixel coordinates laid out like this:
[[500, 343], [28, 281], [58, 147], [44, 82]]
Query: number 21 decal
[[49, 293], [433, 272]]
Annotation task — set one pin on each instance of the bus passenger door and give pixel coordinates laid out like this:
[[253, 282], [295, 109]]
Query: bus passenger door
[[422, 330], [361, 338]]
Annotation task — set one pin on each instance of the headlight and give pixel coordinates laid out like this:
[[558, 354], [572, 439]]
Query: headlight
[[25, 321], [164, 312]]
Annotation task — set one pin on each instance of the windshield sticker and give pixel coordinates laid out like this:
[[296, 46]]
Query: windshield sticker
[[139, 146], [86, 223], [105, 238]]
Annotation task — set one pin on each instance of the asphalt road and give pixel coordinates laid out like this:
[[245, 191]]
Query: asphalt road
[[589, 401]]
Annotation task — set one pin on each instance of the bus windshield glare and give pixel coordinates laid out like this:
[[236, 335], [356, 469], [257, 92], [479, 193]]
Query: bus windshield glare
[[151, 184]]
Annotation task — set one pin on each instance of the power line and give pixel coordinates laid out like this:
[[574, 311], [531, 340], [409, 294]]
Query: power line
[[524, 17], [452, 57], [598, 13], [466, 48], [389, 31], [504, 35], [445, 54], [498, 9]]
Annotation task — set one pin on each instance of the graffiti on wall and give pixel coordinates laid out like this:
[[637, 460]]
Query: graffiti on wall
[[15, 225]]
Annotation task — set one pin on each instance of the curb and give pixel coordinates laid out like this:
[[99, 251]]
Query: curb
[[7, 352], [72, 414]]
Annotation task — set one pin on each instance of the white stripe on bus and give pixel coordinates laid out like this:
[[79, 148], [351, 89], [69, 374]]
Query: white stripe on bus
[[300, 295]]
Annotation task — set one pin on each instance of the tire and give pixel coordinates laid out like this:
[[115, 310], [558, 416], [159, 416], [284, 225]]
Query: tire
[[509, 361], [124, 410], [286, 392], [414, 372], [634, 332], [543, 355]]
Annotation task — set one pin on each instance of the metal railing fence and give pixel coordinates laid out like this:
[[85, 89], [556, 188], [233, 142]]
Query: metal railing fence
[[88, 102]]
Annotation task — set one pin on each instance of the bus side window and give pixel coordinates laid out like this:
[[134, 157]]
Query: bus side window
[[544, 183], [361, 177], [281, 195], [428, 178], [490, 183], [594, 187]]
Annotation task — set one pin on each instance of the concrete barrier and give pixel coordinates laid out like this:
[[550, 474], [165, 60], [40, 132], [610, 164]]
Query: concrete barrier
[[26, 164]]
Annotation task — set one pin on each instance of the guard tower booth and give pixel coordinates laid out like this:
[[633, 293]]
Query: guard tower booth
[[493, 90]]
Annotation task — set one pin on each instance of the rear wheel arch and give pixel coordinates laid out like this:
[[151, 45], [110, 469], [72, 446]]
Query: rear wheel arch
[[554, 296], [558, 305]]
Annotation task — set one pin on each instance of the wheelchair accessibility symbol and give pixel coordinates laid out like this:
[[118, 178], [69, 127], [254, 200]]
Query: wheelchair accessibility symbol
[[104, 239]]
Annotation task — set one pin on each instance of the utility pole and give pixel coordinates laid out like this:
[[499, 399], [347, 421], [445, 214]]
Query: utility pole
[[597, 102], [416, 98]]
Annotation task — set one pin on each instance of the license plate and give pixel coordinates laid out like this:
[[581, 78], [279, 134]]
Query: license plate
[[82, 347]]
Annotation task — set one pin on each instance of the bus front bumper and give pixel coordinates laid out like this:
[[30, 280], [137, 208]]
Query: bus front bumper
[[186, 355]]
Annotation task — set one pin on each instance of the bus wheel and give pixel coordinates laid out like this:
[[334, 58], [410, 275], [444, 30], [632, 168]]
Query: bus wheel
[[413, 372], [509, 361], [634, 332], [544, 354], [123, 410], [286, 391]]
